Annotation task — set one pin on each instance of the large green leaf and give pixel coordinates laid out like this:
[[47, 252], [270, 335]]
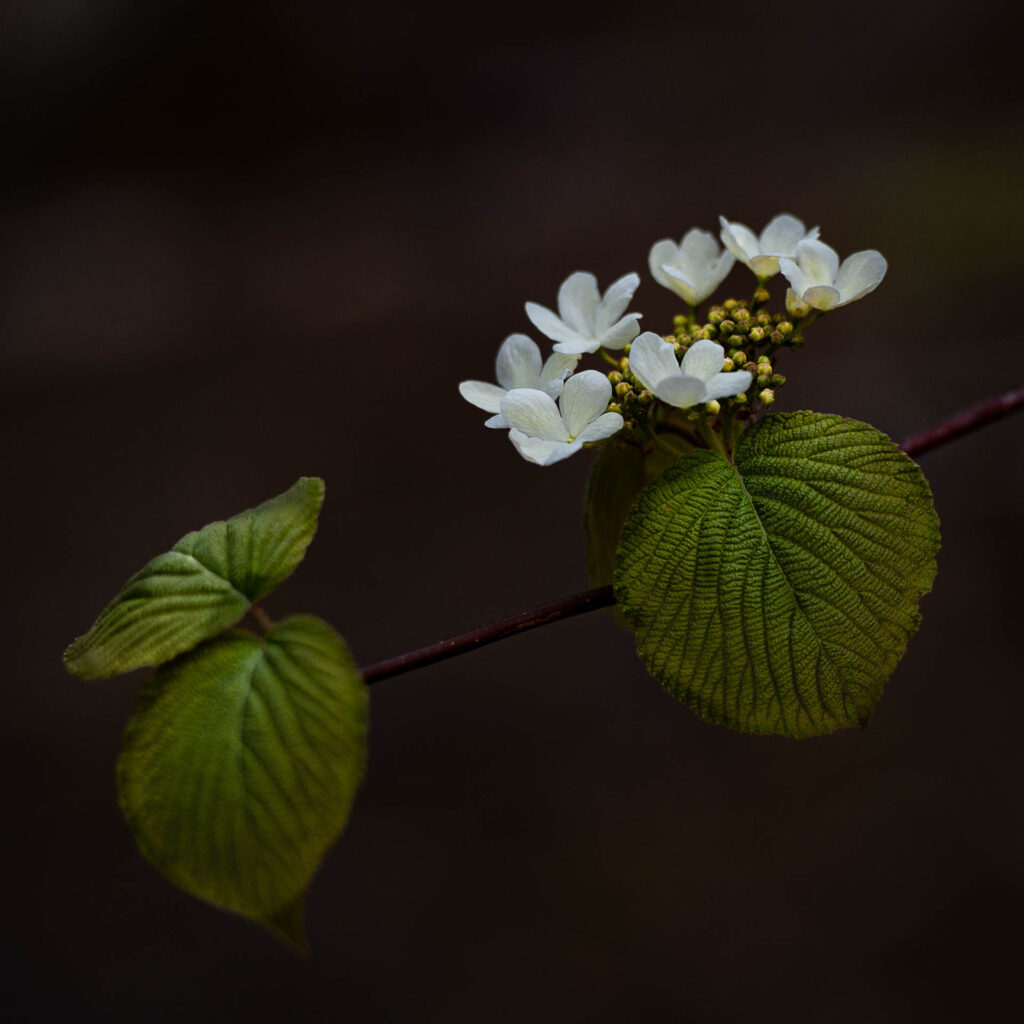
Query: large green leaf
[[776, 595], [206, 582], [241, 763], [618, 476]]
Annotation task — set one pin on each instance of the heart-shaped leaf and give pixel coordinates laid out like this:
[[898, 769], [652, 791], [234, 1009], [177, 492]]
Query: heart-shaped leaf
[[777, 594], [240, 766]]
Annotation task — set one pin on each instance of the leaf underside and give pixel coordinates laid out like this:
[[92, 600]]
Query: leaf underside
[[778, 595], [203, 585], [240, 765]]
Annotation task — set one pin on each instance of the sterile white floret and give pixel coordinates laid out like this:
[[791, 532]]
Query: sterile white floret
[[761, 254], [544, 433], [694, 268], [586, 321], [652, 360], [518, 365], [820, 282]]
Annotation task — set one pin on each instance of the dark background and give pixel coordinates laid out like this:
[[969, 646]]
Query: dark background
[[243, 243]]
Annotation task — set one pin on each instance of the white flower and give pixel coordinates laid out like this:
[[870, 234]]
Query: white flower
[[694, 268], [779, 238], [585, 321], [652, 361], [544, 435], [518, 366], [821, 283]]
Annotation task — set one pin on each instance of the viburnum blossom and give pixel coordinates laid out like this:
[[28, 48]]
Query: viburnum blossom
[[694, 268], [780, 237], [652, 360], [518, 366], [544, 433], [820, 282], [586, 321]]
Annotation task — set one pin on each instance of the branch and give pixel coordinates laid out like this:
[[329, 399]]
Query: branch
[[917, 444], [964, 422], [564, 608]]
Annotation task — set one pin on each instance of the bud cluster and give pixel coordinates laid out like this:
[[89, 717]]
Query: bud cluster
[[751, 339]]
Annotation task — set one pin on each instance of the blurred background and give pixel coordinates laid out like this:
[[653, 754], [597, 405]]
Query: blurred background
[[244, 242]]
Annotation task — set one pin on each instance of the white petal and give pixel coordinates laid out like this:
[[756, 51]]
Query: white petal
[[860, 273], [604, 426], [795, 306], [684, 286], [496, 422], [534, 413], [714, 275], [484, 396], [518, 362], [796, 277], [764, 266], [739, 240], [781, 235], [579, 347], [664, 252], [548, 323], [652, 360], [725, 385], [541, 451], [615, 301], [820, 262], [621, 334], [556, 369], [578, 299], [703, 360], [585, 396], [822, 297], [698, 247], [682, 392]]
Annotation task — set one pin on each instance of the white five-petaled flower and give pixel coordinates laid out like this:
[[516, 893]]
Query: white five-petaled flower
[[545, 433], [780, 237], [821, 283], [518, 366], [694, 268], [652, 360], [586, 321]]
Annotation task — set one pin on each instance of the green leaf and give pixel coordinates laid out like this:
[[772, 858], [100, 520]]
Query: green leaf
[[204, 584], [776, 595], [240, 766], [618, 476]]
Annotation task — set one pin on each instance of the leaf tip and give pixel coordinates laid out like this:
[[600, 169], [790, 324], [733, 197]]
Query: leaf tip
[[289, 925]]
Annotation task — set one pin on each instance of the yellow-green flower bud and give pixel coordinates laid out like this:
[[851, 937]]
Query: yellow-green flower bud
[[767, 396], [761, 296], [615, 407], [740, 399], [646, 397], [713, 407], [727, 326], [729, 305], [728, 366], [623, 389], [615, 377], [738, 356], [679, 320], [741, 315], [756, 335], [716, 315], [778, 379], [785, 328]]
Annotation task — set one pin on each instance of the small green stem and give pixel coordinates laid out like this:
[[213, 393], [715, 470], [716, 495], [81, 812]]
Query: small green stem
[[609, 359], [713, 440]]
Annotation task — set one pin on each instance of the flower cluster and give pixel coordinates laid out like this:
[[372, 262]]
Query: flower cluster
[[695, 387]]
